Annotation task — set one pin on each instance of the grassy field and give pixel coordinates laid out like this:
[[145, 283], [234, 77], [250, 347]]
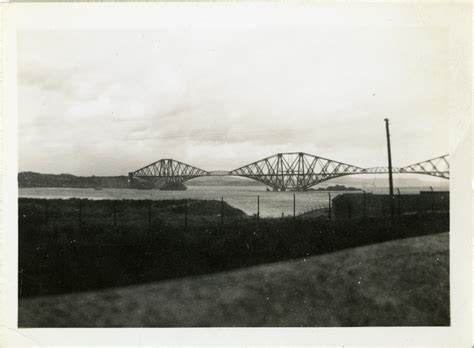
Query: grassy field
[[397, 283], [74, 245]]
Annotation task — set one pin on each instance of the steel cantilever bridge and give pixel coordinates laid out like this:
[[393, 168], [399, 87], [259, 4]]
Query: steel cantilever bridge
[[283, 171]]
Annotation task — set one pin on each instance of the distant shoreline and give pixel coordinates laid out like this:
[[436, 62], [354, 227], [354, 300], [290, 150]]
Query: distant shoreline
[[337, 188]]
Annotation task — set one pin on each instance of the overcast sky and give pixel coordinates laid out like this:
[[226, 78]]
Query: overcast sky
[[109, 102]]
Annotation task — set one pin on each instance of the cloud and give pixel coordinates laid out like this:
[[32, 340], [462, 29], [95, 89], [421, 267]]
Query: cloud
[[126, 99]]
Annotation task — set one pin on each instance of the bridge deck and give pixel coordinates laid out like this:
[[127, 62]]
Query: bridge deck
[[219, 173]]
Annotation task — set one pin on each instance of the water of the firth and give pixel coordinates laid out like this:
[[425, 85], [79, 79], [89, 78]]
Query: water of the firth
[[241, 197]]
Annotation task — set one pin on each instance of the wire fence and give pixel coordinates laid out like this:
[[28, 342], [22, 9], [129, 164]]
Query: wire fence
[[81, 212], [74, 245], [185, 212]]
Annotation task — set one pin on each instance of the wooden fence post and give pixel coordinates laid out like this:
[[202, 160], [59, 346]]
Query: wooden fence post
[[46, 212], [365, 204], [258, 207], [330, 206], [149, 216], [432, 198], [185, 214], [294, 207], [80, 213], [115, 213], [222, 210], [399, 205]]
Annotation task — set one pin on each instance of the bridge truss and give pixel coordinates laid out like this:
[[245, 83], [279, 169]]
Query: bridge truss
[[295, 170], [438, 167], [167, 171], [283, 171]]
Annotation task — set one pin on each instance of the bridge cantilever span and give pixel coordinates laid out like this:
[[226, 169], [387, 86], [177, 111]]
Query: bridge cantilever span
[[283, 171], [438, 166], [167, 171], [295, 170]]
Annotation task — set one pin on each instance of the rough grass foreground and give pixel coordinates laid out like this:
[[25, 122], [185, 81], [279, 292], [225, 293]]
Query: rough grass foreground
[[397, 283], [71, 252]]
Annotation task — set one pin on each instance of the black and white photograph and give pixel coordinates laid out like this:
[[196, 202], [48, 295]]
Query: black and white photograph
[[241, 166]]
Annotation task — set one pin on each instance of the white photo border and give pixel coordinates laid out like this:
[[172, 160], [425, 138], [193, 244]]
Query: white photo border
[[455, 17]]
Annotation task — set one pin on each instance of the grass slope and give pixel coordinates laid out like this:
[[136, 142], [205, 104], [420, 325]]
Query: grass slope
[[397, 283]]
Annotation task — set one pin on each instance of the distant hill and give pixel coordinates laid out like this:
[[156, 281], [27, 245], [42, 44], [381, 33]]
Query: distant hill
[[32, 179], [337, 188]]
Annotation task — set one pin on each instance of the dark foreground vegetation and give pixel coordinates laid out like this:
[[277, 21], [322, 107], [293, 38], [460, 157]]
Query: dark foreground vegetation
[[77, 245], [403, 282]]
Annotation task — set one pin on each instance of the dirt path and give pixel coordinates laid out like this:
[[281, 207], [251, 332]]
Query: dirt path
[[403, 282]]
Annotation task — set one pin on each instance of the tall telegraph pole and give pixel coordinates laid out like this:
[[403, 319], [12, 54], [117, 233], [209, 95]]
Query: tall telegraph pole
[[390, 178]]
